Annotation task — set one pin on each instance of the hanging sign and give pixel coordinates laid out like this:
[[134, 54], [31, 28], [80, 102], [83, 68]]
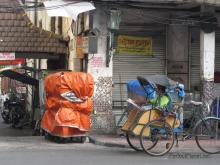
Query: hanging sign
[[81, 46], [130, 45]]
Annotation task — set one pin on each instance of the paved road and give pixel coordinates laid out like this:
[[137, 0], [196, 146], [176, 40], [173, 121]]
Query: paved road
[[37, 151]]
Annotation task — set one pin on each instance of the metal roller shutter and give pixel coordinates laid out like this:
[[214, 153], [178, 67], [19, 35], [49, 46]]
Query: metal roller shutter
[[217, 61], [128, 67], [217, 50], [195, 59]]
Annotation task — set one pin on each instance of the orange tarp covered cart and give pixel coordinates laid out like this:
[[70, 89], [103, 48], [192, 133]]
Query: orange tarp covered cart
[[68, 103]]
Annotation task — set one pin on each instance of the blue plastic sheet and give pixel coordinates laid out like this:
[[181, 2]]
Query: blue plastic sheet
[[134, 87]]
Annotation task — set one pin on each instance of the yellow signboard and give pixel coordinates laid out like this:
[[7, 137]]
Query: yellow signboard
[[134, 45]]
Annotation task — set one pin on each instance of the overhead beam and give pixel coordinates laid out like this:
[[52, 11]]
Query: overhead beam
[[31, 55]]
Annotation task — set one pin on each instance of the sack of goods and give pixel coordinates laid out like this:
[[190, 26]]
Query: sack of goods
[[68, 104]]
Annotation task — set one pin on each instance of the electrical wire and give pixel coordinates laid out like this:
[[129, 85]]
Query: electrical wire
[[174, 19], [154, 18], [168, 20]]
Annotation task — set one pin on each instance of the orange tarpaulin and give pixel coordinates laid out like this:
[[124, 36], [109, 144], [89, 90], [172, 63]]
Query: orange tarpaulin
[[68, 103]]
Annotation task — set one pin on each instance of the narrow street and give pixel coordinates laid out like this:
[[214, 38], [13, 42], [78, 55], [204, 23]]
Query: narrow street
[[36, 150], [16, 147]]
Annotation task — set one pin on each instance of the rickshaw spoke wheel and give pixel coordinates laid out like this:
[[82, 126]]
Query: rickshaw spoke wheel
[[134, 141], [157, 138]]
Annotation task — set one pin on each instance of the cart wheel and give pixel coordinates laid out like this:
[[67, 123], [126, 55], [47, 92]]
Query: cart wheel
[[134, 142], [157, 138]]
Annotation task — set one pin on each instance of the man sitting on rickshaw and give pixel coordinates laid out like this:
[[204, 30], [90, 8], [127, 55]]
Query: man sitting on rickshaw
[[163, 93]]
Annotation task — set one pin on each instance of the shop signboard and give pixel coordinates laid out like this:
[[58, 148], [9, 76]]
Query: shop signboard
[[21, 89], [131, 45], [7, 56], [12, 62]]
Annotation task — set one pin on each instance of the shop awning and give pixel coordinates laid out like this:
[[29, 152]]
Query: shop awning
[[67, 8], [11, 73]]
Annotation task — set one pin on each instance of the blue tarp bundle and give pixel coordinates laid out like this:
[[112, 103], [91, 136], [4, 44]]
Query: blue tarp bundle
[[149, 92], [134, 87]]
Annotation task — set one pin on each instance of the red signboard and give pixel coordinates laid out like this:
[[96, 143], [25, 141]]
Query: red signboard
[[12, 62]]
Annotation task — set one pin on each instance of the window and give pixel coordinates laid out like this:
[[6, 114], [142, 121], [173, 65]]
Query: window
[[60, 28]]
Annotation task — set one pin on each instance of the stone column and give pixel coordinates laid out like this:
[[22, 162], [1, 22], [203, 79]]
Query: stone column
[[207, 57]]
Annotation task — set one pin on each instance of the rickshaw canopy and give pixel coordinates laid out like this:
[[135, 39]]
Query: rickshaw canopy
[[162, 80]]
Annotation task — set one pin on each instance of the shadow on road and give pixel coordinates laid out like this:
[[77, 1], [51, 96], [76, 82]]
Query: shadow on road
[[7, 130]]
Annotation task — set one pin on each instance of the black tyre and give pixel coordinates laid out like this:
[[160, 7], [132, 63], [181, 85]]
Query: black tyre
[[48, 136], [78, 139], [157, 138], [207, 135], [83, 139]]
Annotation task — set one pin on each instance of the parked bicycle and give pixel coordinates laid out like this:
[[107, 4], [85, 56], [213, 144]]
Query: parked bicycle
[[206, 130]]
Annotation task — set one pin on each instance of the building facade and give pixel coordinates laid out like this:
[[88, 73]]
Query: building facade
[[176, 34], [182, 40]]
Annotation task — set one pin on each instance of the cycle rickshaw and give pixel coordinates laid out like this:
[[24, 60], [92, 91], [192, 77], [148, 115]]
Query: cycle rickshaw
[[154, 125]]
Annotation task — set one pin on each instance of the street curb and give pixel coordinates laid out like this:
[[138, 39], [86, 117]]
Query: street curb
[[106, 144]]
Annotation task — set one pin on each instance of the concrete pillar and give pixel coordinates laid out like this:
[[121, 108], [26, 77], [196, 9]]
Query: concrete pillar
[[103, 119], [207, 57], [177, 54]]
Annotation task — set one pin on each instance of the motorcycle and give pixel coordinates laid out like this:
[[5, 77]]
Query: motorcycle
[[5, 113], [18, 115]]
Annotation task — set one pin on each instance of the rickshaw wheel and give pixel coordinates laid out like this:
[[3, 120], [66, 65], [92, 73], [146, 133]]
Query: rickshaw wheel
[[134, 142], [157, 138]]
